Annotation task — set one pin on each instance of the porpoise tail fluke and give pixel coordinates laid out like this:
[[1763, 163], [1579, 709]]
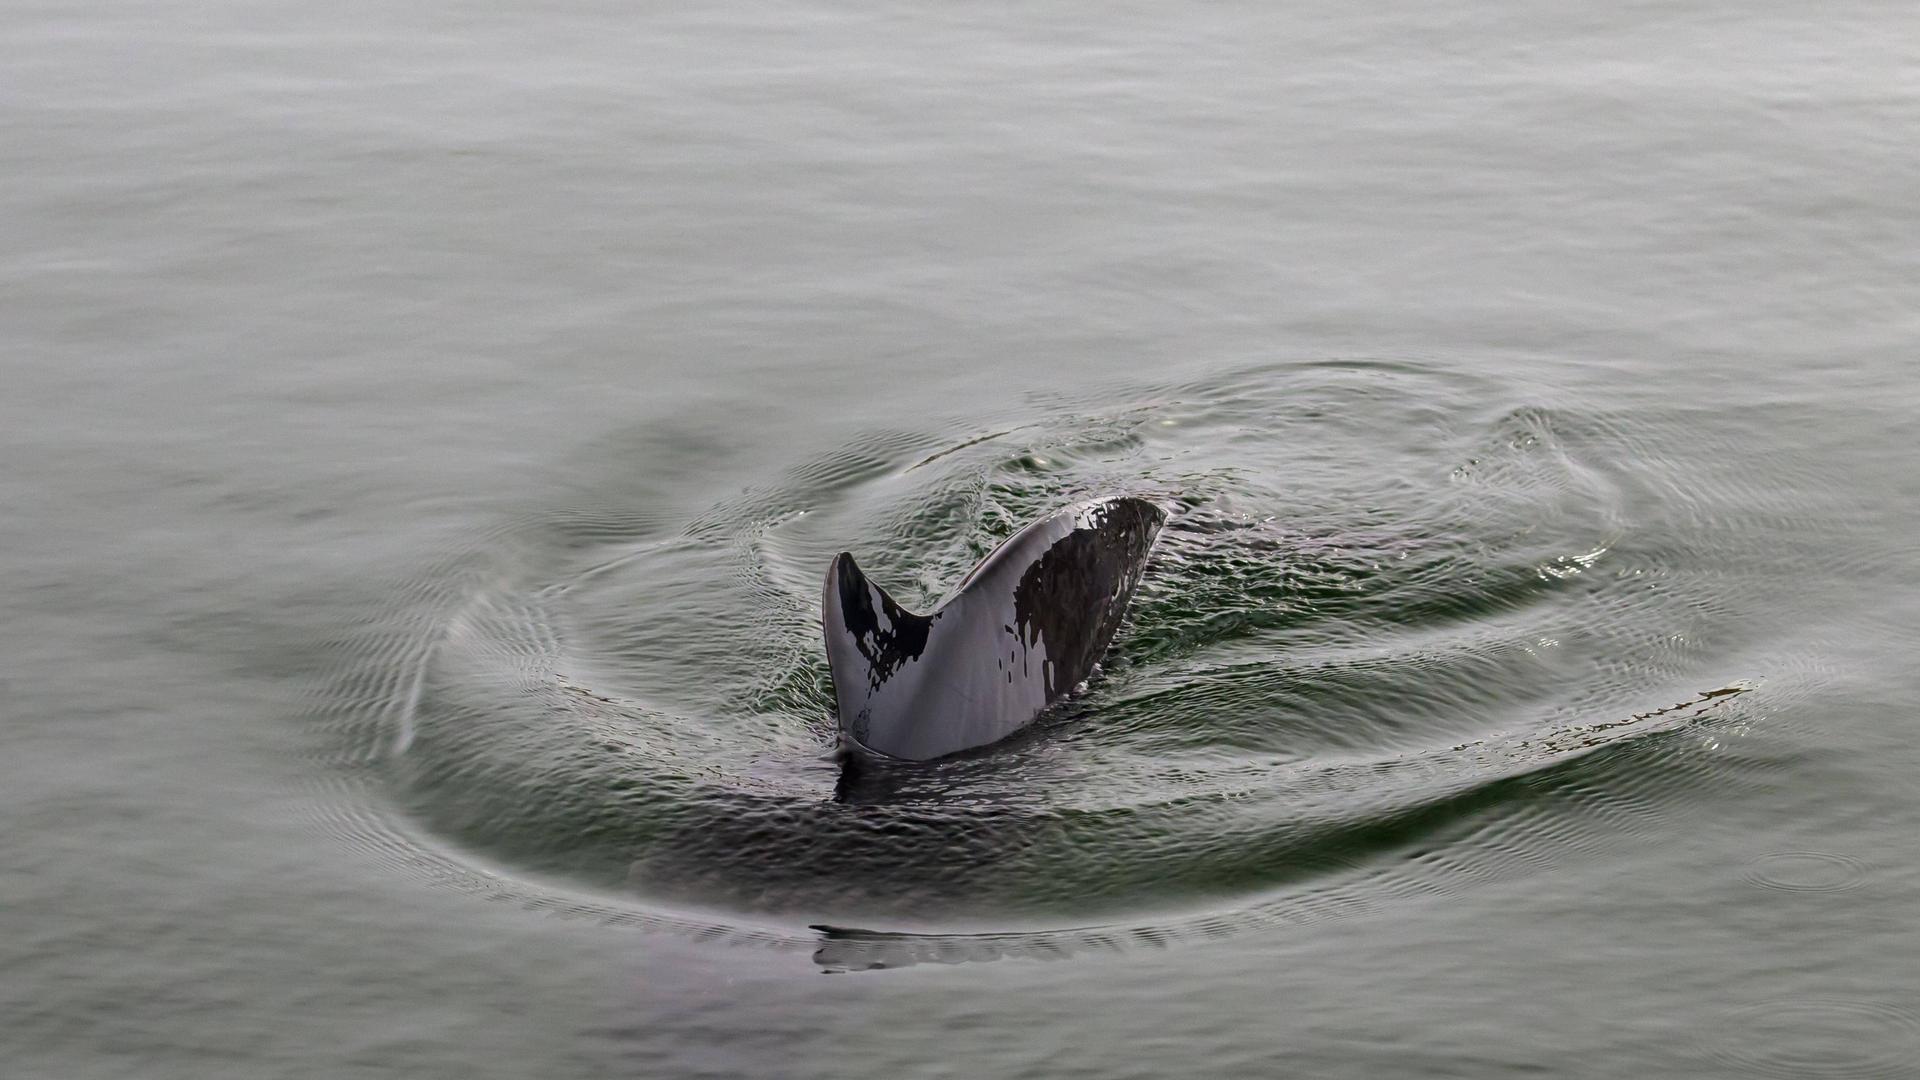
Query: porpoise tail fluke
[[1020, 632]]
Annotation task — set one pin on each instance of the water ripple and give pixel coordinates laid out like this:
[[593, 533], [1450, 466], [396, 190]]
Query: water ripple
[[1812, 1037], [1807, 871], [1383, 652]]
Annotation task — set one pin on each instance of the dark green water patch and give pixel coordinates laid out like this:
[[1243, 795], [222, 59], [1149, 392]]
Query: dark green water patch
[[1403, 633]]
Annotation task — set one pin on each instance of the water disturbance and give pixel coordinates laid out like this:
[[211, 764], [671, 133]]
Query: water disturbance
[[1367, 661], [425, 429]]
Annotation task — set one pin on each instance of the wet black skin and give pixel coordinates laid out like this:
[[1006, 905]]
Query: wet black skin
[[1021, 631]]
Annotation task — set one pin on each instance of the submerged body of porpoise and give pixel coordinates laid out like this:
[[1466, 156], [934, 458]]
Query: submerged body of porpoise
[[1019, 633]]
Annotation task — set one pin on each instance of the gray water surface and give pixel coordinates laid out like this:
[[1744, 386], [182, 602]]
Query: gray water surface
[[425, 429]]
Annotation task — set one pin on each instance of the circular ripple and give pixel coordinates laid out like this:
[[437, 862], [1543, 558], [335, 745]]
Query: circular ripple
[[1820, 1037], [1451, 644], [1807, 871]]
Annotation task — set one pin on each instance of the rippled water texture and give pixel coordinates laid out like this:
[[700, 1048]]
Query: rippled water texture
[[1369, 660], [424, 429]]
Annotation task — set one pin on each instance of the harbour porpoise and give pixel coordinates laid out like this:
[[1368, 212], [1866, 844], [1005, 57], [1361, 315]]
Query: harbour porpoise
[[1019, 633]]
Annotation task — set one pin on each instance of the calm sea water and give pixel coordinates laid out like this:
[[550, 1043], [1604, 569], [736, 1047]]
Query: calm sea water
[[425, 429]]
